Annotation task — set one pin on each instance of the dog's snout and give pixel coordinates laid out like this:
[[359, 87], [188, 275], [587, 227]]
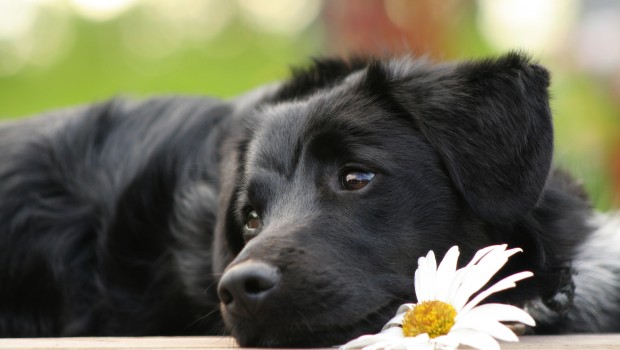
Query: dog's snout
[[246, 286]]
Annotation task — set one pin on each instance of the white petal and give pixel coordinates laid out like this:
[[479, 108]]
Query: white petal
[[387, 344], [445, 274], [508, 282], [497, 312], [394, 345], [392, 339], [404, 308], [474, 339], [446, 341], [396, 321], [457, 280], [421, 287], [490, 327], [484, 251], [461, 293], [482, 272], [360, 342], [418, 343], [425, 285], [463, 272], [391, 334], [417, 283], [395, 332], [406, 343]]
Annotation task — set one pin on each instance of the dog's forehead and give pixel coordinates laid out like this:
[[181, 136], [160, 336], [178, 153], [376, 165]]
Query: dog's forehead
[[275, 135], [282, 130]]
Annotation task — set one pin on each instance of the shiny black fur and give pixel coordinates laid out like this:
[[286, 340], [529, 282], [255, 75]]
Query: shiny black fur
[[120, 218]]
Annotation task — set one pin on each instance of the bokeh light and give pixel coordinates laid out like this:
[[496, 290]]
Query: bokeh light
[[533, 25], [282, 17], [56, 53], [101, 10]]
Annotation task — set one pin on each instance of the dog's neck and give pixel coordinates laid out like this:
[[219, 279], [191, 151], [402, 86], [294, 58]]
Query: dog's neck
[[587, 295], [562, 300]]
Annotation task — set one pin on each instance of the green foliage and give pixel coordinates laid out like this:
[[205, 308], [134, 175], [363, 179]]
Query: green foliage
[[100, 66]]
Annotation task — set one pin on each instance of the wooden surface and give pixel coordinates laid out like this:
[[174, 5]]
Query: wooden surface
[[581, 342]]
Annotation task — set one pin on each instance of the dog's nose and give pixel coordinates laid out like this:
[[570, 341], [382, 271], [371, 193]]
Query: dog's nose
[[246, 286]]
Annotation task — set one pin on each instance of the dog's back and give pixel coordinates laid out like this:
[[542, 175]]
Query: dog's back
[[86, 197]]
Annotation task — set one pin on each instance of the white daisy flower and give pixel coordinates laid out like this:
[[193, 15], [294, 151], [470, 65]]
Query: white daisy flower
[[444, 316]]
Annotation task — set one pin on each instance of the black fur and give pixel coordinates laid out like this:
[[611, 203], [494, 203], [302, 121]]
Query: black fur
[[120, 218]]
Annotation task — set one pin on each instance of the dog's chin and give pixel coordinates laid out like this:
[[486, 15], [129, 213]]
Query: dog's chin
[[299, 338], [302, 334], [275, 339]]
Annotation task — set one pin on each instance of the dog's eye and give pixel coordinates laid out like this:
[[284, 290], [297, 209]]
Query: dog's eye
[[252, 220], [356, 179]]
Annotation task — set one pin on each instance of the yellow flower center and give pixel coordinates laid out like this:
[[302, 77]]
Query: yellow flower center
[[432, 317]]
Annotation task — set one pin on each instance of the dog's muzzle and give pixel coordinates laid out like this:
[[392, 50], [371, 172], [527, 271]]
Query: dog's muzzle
[[246, 287]]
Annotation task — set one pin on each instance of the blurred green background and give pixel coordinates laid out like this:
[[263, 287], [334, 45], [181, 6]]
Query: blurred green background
[[56, 53]]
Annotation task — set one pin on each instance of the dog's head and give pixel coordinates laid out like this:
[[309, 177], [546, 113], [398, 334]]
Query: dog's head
[[351, 172]]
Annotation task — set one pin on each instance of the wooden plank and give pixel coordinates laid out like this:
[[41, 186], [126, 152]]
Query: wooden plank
[[120, 343], [567, 342]]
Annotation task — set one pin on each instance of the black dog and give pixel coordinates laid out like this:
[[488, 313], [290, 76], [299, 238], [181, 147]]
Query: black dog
[[302, 206]]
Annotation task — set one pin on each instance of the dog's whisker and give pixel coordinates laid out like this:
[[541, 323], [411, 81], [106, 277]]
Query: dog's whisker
[[203, 317]]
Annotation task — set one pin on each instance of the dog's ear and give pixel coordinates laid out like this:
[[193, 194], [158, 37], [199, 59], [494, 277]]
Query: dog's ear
[[490, 122]]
